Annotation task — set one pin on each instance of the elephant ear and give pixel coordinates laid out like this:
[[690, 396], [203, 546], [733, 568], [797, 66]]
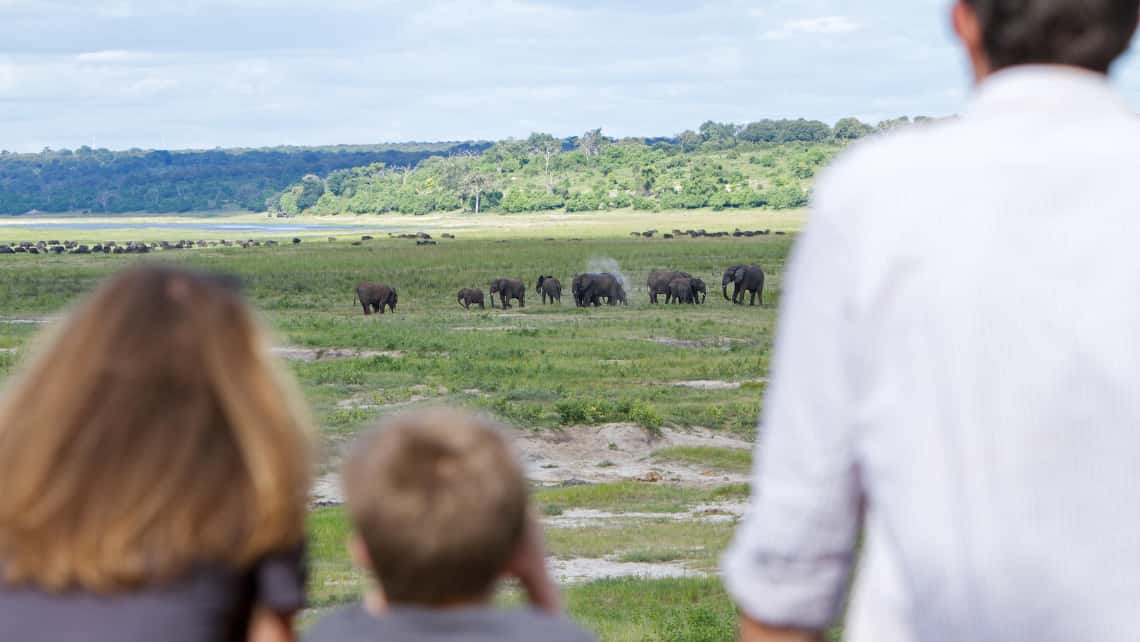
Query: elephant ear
[[739, 276]]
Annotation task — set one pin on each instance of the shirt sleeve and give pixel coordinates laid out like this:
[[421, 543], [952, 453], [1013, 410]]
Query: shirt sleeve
[[281, 579], [791, 559]]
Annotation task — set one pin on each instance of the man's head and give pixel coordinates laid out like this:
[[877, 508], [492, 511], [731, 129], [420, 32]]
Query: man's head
[[439, 503], [1090, 34]]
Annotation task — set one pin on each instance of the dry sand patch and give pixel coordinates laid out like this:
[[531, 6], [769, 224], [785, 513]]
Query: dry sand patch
[[292, 353]]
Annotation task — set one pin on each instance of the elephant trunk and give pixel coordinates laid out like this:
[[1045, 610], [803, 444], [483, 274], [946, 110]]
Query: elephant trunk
[[724, 290]]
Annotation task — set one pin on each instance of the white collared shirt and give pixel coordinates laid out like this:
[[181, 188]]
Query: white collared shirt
[[958, 360]]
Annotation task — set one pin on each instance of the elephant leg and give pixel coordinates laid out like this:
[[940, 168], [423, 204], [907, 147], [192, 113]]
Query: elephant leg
[[752, 301], [365, 306], [522, 301], [481, 306]]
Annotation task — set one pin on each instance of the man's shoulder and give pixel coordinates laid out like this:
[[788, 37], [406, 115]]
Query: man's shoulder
[[354, 624], [534, 624], [345, 624], [877, 156]]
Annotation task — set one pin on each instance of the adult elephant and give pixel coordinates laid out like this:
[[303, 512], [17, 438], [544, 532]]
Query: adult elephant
[[508, 289], [374, 297], [550, 288], [468, 297], [590, 289], [746, 279], [658, 282]]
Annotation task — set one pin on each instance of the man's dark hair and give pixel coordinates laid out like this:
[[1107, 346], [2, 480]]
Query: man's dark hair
[[1084, 33]]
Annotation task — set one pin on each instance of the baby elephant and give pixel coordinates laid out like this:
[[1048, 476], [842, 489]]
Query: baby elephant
[[468, 297], [374, 297], [550, 288], [681, 290]]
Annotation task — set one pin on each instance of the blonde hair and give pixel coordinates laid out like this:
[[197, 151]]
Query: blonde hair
[[440, 502], [150, 433]]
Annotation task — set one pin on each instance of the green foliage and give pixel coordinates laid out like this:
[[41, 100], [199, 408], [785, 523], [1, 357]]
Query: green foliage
[[102, 181], [723, 459], [768, 163], [597, 411]]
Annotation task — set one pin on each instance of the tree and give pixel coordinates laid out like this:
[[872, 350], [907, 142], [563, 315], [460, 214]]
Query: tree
[[690, 140], [893, 123], [850, 129], [547, 147], [476, 183], [312, 188], [591, 142], [719, 135]]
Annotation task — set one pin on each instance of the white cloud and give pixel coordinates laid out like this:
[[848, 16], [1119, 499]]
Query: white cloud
[[110, 55], [175, 73], [826, 25]]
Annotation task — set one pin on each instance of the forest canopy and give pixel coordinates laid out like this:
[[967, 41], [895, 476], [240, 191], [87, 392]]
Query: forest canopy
[[767, 163], [100, 181]]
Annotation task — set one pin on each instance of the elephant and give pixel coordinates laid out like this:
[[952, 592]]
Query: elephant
[[590, 289], [549, 287], [745, 279], [508, 289], [374, 297], [686, 290], [468, 297], [658, 282]]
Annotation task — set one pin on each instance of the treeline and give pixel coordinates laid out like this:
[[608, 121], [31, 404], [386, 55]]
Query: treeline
[[768, 163], [101, 181]]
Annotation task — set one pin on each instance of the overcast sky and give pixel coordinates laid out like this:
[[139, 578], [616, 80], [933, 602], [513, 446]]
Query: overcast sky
[[206, 73]]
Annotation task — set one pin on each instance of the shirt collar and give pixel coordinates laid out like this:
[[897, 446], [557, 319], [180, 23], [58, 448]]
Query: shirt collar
[[1046, 89]]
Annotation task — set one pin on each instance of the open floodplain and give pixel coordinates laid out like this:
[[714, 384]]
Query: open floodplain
[[635, 422]]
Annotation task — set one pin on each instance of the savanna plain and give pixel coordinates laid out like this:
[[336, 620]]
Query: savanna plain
[[635, 422]]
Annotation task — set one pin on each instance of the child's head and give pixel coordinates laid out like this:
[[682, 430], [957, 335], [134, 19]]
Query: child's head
[[439, 502]]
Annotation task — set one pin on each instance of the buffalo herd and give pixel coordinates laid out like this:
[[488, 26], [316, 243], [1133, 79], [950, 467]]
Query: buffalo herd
[[590, 289]]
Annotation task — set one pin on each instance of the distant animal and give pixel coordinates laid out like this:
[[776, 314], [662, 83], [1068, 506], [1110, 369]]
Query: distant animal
[[668, 236], [658, 282], [550, 288], [296, 241], [5, 249], [447, 236], [332, 239], [687, 290], [591, 289], [745, 279], [425, 242], [508, 289], [700, 290], [374, 297], [366, 238], [680, 291], [468, 297]]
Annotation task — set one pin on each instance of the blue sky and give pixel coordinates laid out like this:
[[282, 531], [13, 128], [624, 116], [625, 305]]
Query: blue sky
[[206, 73]]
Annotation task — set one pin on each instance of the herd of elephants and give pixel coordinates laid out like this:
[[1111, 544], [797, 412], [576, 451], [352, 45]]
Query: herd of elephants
[[590, 289]]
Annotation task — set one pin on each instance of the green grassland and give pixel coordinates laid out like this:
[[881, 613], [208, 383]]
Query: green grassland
[[538, 368]]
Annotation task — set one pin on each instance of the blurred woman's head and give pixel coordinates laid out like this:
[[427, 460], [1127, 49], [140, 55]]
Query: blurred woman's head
[[150, 432]]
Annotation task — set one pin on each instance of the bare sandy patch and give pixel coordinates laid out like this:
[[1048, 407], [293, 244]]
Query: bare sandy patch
[[712, 513], [712, 384], [723, 343], [330, 354], [580, 570], [596, 454], [620, 451]]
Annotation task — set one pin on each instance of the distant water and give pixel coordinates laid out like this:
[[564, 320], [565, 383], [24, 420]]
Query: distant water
[[204, 226]]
